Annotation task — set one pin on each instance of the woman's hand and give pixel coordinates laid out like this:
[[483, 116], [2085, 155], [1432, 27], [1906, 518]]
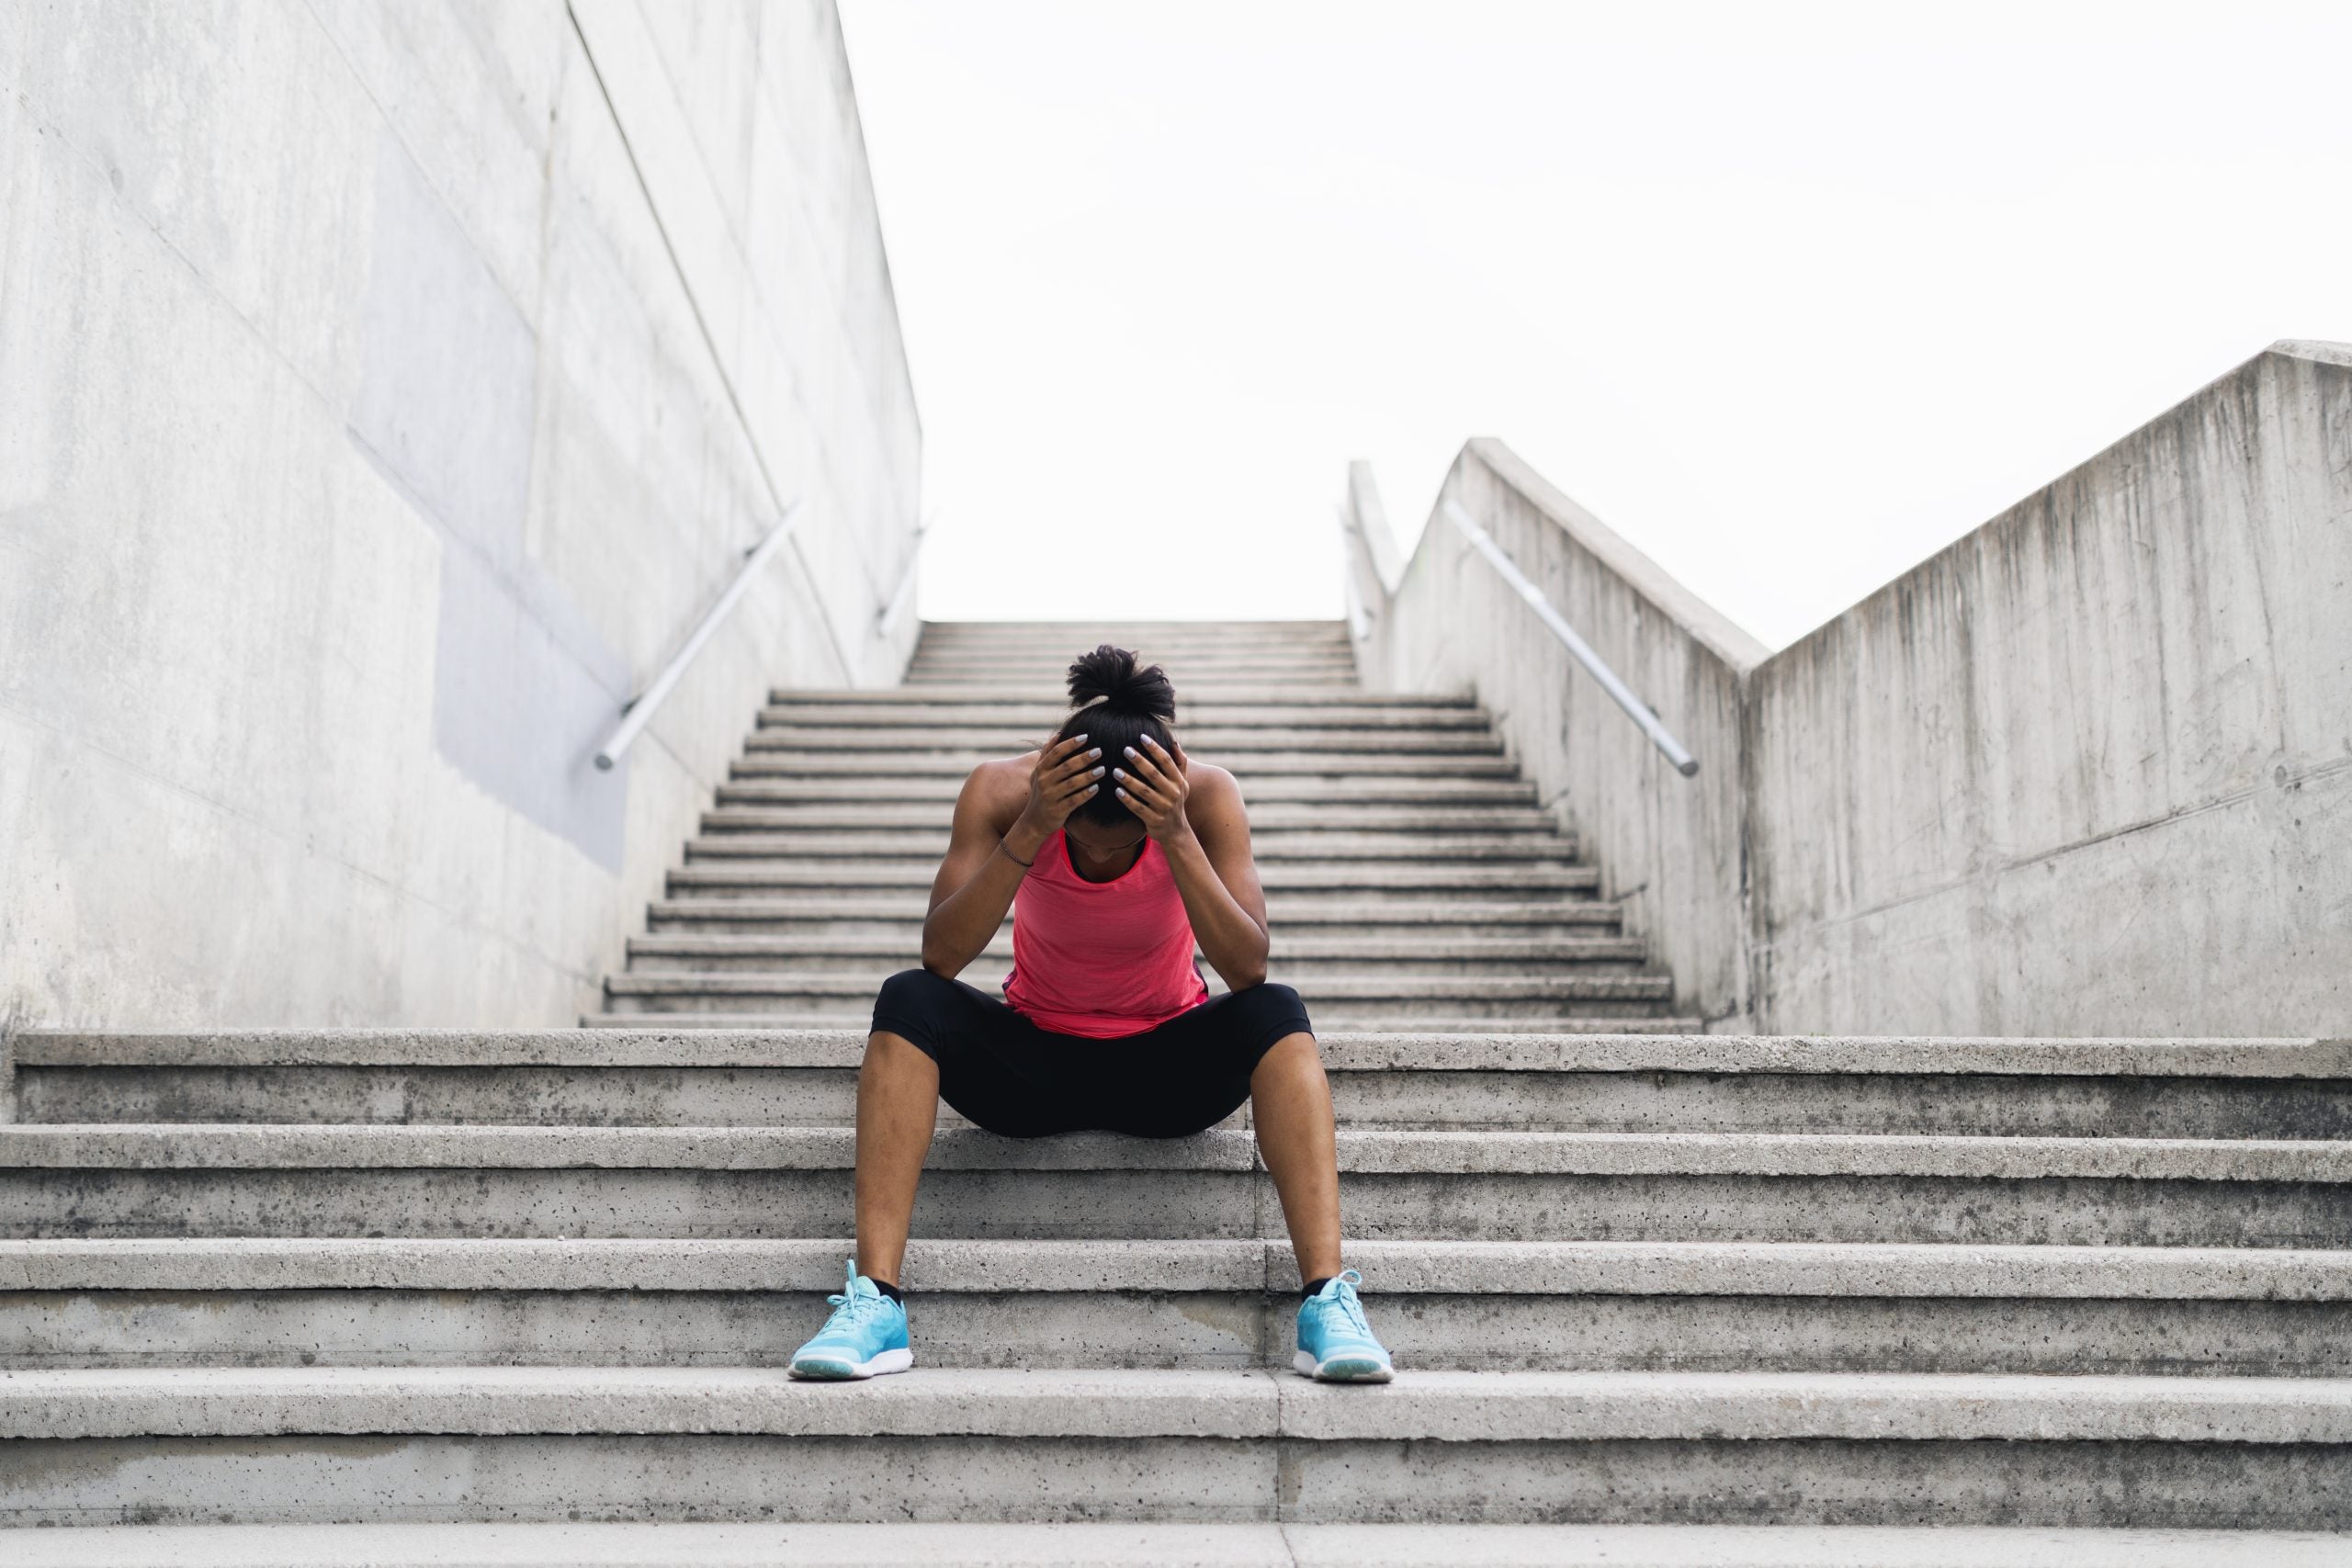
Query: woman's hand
[[1065, 775], [1154, 786]]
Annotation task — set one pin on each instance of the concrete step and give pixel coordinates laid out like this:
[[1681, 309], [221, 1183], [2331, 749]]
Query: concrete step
[[1150, 642], [901, 915], [1317, 818], [1052, 697], [1379, 993], [248, 1444], [1281, 879], [1086, 634], [1505, 1185], [1307, 675], [1692, 1083], [1219, 744], [1149, 648], [911, 722], [1338, 1020], [1292, 958], [1206, 668], [1260, 666], [1304, 793], [1448, 1305], [1317, 845], [1249, 767], [1190, 1545]]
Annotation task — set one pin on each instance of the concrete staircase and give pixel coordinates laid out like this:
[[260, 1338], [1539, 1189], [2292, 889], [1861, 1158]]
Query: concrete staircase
[[299, 1277], [1411, 876]]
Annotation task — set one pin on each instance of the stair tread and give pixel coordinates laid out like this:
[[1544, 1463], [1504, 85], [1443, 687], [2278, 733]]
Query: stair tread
[[1363, 1151], [737, 945], [1192, 1544], [664, 1044], [1337, 1021], [1314, 988], [1087, 1403], [917, 718], [1195, 694], [1479, 909], [1790, 1269], [1278, 877], [1249, 767]]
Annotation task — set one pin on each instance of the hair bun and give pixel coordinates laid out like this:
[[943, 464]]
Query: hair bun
[[1109, 676]]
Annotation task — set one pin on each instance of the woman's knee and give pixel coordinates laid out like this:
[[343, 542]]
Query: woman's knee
[[1291, 1052], [1273, 1010], [1268, 1000], [912, 990]]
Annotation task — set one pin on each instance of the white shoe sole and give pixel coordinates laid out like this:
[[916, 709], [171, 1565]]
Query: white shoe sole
[[1342, 1369], [818, 1371]]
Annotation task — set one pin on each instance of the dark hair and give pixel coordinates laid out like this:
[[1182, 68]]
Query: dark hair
[[1117, 706]]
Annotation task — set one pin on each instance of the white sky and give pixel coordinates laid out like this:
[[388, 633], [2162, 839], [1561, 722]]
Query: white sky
[[1792, 296]]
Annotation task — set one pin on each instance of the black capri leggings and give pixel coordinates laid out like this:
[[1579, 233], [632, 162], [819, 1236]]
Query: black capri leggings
[[1003, 1072]]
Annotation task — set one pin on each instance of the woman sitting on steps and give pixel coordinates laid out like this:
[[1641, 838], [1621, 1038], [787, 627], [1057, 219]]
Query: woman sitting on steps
[[1115, 870]]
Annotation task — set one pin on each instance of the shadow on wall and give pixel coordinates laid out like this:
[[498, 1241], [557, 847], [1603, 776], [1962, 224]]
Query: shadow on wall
[[444, 413], [2086, 772]]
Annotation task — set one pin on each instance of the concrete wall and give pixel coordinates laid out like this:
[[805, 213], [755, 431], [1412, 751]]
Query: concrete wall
[[2090, 770], [1668, 846], [2086, 772], [385, 388]]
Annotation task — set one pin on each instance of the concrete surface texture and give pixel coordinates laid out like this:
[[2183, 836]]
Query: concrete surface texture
[[387, 389], [1156, 1546], [2088, 770]]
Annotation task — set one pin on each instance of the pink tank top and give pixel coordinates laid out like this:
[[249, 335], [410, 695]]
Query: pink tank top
[[1102, 959]]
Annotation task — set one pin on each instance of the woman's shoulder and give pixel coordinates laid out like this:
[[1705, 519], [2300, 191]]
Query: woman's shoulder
[[1208, 781], [1000, 784], [999, 774]]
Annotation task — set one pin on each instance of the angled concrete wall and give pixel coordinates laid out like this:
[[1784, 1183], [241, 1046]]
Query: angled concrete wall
[[2086, 772], [2090, 770], [1668, 846], [385, 388]]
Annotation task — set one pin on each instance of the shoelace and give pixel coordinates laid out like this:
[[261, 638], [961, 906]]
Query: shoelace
[[849, 1308], [1349, 1304]]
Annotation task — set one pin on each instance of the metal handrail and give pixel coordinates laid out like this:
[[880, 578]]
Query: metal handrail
[[639, 710], [1353, 550], [1595, 666], [901, 597]]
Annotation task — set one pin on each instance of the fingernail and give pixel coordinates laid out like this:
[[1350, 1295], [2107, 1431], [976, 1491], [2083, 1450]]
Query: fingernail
[[1116, 773], [1098, 772], [1131, 751], [1121, 793], [1096, 752]]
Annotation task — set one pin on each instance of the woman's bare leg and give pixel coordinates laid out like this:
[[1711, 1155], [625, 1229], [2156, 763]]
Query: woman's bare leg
[[897, 1107], [1291, 1104]]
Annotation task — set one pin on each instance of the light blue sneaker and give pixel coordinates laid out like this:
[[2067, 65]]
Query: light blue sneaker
[[1335, 1344], [866, 1335]]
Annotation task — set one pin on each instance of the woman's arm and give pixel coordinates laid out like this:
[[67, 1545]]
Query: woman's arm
[[1203, 830], [997, 829]]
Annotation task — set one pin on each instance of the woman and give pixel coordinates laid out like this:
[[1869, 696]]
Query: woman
[[1116, 854]]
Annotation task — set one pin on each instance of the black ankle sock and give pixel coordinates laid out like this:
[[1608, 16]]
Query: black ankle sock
[[889, 1290], [1314, 1286]]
